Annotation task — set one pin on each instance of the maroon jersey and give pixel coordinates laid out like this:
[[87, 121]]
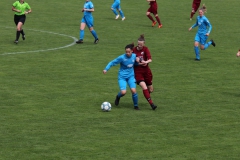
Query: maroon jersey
[[196, 1], [143, 73], [143, 54]]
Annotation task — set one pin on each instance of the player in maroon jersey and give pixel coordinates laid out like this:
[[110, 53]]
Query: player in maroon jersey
[[195, 6], [143, 74], [153, 9]]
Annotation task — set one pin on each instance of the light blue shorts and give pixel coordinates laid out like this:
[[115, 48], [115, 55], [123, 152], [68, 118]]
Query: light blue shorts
[[131, 81], [88, 21], [201, 38], [116, 5]]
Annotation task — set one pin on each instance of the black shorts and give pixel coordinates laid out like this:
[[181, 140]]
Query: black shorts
[[19, 18]]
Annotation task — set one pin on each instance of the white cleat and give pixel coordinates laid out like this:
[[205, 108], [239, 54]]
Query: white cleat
[[117, 16], [123, 18], [190, 19]]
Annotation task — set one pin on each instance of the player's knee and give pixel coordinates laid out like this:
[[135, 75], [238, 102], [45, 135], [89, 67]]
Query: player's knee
[[156, 15], [202, 47], [112, 9], [147, 13], [90, 29], [123, 92]]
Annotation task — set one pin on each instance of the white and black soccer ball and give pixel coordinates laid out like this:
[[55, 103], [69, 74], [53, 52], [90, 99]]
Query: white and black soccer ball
[[106, 106]]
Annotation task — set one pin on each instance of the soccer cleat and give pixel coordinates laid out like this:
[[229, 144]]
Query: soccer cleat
[[79, 41], [154, 23], [117, 100], [23, 37], [153, 106], [190, 19], [213, 43], [16, 41], [123, 18], [197, 59], [160, 26], [136, 108], [117, 16], [96, 41]]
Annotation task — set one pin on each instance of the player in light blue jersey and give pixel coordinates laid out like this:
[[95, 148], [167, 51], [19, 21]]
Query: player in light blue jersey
[[116, 6], [204, 29], [125, 74], [87, 19]]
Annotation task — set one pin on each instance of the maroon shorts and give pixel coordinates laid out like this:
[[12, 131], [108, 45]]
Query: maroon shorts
[[145, 76], [195, 6], [153, 9]]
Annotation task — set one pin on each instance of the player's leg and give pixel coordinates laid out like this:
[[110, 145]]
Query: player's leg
[[148, 81], [123, 89], [150, 17], [91, 29], [196, 49], [113, 8], [121, 12], [193, 10], [19, 26], [81, 31], [158, 19], [132, 85], [205, 45]]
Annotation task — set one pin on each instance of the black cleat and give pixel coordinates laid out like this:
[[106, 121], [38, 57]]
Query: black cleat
[[136, 108], [117, 100], [153, 106], [23, 37], [79, 41], [96, 41], [213, 43], [197, 59], [16, 41]]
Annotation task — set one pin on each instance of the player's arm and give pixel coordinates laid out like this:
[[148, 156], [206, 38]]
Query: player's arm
[[149, 58], [16, 10], [193, 26], [151, 0], [209, 27], [113, 63], [88, 10], [29, 10]]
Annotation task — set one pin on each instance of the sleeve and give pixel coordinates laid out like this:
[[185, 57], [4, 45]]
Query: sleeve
[[28, 7], [91, 6], [113, 63], [15, 4], [148, 54], [196, 24], [209, 25]]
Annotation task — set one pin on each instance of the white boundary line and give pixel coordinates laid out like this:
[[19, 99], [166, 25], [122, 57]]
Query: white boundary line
[[44, 50]]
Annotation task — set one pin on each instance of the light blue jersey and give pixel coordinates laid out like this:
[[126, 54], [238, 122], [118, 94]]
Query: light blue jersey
[[117, 1], [88, 5], [126, 66], [204, 26]]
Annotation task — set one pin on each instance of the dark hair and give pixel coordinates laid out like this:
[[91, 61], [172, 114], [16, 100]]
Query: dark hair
[[130, 46], [141, 38]]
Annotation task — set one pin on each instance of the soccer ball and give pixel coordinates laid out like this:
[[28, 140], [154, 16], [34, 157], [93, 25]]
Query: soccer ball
[[106, 106]]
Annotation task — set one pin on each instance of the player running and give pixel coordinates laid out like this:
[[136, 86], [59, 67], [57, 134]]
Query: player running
[[142, 71], [20, 8], [204, 29], [116, 6], [87, 19], [125, 74], [153, 9]]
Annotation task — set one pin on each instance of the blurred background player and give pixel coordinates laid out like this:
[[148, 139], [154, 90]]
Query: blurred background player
[[125, 74], [204, 29], [238, 53], [195, 6], [20, 8], [116, 6], [87, 19], [142, 71], [153, 9]]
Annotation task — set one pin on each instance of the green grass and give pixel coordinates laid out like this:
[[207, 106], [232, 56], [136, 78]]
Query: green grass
[[50, 101]]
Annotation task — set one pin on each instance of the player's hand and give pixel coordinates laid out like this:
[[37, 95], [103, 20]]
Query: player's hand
[[26, 12], [83, 10], [104, 71], [207, 34], [190, 29]]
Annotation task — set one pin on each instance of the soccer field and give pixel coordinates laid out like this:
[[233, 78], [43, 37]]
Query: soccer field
[[51, 89]]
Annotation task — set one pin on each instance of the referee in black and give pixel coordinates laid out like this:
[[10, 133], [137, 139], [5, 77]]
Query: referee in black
[[20, 8]]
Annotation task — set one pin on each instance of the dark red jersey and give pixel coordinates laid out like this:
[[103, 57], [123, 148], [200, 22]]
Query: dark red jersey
[[143, 54], [196, 1]]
